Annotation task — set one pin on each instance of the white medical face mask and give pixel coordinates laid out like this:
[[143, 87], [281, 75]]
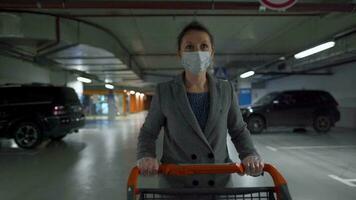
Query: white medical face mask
[[197, 61]]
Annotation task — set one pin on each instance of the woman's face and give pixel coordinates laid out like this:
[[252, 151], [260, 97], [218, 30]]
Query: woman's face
[[196, 41]]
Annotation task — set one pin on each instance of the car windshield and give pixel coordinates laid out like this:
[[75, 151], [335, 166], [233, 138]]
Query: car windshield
[[267, 98]]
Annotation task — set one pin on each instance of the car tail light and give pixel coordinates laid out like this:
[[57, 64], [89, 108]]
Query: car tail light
[[59, 110]]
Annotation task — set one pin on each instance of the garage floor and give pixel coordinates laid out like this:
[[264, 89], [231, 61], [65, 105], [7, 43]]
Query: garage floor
[[94, 164]]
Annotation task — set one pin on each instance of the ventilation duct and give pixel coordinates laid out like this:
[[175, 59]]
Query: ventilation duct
[[10, 25]]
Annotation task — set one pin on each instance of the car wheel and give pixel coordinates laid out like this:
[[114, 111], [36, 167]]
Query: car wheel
[[27, 135], [60, 137], [256, 124], [322, 124]]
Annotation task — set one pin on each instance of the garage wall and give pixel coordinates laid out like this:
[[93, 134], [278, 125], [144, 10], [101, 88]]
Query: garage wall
[[341, 85], [66, 79], [18, 71]]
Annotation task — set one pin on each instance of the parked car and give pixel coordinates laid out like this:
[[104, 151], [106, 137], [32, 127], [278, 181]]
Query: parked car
[[299, 109], [31, 113]]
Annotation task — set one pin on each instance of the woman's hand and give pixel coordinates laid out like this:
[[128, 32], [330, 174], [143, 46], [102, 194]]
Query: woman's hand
[[253, 165], [148, 166]]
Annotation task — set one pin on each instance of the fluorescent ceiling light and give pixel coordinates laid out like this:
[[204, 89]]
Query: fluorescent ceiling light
[[247, 74], [84, 80], [109, 86], [315, 50]]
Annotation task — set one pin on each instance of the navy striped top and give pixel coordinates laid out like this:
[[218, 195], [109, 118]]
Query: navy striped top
[[199, 103]]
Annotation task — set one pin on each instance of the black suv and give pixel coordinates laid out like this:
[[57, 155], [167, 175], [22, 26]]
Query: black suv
[[299, 108], [31, 113]]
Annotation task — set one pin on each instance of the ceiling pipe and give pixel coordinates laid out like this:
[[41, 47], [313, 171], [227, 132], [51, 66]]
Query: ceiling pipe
[[16, 54], [216, 54], [104, 15], [84, 57], [332, 65], [346, 33], [163, 69], [92, 64], [324, 67], [109, 70], [176, 5], [89, 23], [159, 75], [294, 73], [20, 51], [58, 37]]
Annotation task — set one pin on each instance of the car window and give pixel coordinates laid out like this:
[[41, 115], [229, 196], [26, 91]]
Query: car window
[[287, 99], [327, 98], [37, 94], [11, 95], [268, 98], [306, 98]]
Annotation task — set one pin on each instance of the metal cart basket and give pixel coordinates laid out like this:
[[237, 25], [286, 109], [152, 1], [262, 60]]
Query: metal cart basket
[[279, 191]]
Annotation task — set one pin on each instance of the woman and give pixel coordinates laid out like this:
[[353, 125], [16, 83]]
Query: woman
[[196, 111]]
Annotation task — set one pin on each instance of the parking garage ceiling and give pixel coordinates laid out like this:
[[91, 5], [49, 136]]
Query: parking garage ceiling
[[135, 42]]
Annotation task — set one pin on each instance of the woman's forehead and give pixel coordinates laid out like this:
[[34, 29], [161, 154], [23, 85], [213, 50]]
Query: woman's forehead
[[196, 37]]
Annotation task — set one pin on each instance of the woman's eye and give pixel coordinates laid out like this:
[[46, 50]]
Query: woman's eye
[[204, 47], [189, 47]]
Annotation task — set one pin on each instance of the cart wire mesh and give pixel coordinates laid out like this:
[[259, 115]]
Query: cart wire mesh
[[254, 193]]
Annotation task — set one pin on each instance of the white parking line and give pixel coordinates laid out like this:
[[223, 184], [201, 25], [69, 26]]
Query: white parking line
[[271, 148], [348, 182], [319, 147], [311, 147], [89, 129]]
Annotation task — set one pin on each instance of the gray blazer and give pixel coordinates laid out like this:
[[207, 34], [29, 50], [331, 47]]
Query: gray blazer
[[184, 141]]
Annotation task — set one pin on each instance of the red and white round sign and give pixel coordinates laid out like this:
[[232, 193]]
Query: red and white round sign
[[278, 4]]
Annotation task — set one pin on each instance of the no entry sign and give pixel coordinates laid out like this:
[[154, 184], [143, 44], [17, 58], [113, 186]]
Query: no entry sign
[[278, 4]]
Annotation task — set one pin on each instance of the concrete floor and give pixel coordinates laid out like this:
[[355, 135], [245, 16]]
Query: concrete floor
[[94, 164]]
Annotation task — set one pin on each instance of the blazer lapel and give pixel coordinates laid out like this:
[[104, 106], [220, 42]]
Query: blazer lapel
[[214, 106], [181, 98]]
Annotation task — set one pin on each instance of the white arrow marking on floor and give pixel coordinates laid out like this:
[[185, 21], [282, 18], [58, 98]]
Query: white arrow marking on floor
[[348, 182]]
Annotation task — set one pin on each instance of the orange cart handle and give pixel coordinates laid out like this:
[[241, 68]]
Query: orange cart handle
[[183, 170]]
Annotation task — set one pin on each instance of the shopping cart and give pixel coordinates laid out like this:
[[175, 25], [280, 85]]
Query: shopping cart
[[279, 191]]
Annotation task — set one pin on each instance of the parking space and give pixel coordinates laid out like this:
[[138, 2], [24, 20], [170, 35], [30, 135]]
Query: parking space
[[312, 163], [95, 163]]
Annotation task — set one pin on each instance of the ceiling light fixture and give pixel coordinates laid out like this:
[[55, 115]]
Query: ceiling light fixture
[[247, 74], [315, 50], [83, 79], [109, 86]]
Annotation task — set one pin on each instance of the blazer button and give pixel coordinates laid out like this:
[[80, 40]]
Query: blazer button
[[211, 182], [195, 182], [211, 155], [194, 157]]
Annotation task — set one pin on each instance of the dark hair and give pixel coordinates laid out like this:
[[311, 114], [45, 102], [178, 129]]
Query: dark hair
[[194, 26]]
